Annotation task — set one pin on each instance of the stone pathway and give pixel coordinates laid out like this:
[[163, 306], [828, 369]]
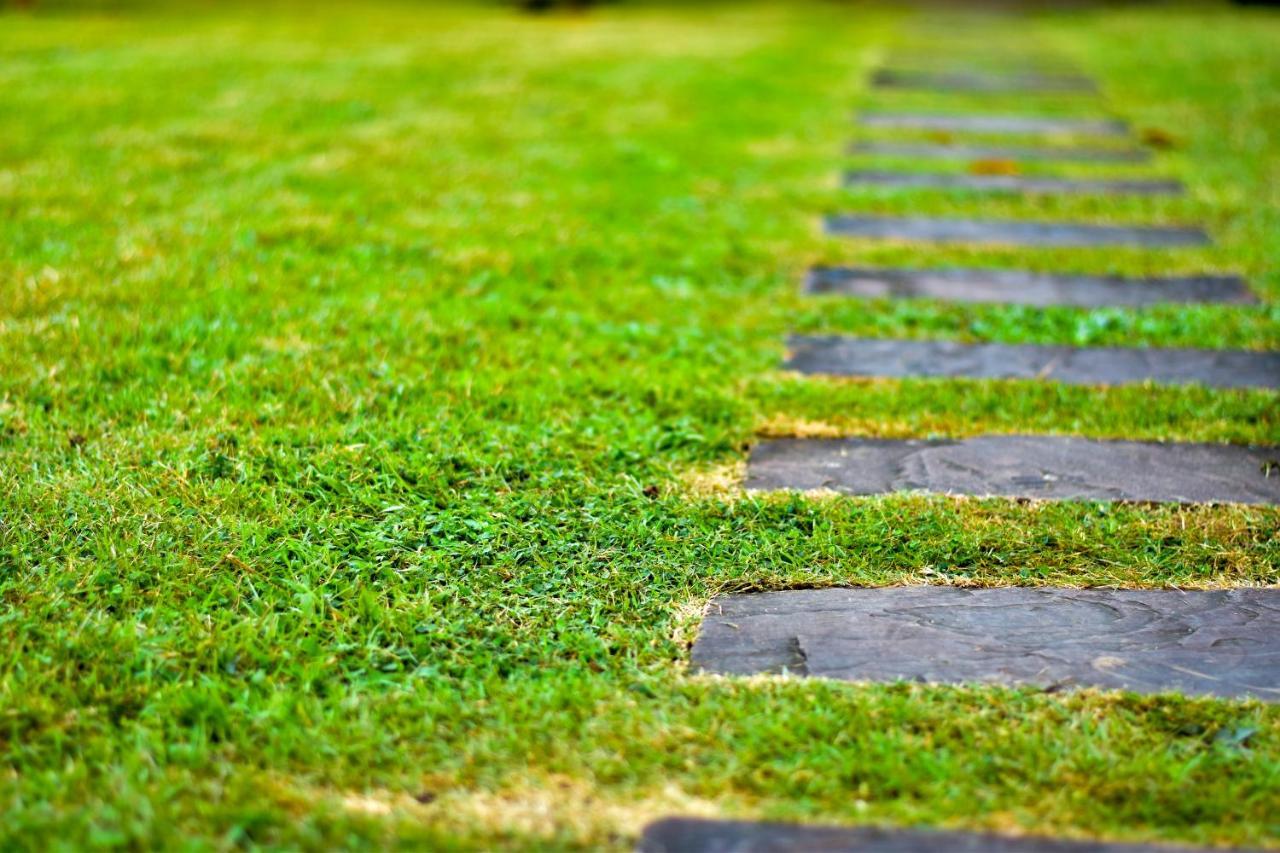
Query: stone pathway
[[1020, 153], [1223, 643], [685, 835], [977, 81], [959, 123], [1012, 232], [873, 357], [1041, 467], [1199, 642], [1034, 184], [1017, 287]]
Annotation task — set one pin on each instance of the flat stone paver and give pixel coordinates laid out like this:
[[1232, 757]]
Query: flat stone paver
[[959, 122], [1196, 642], [1029, 184], [693, 835], [980, 81], [1012, 232], [878, 357], [1022, 466], [1017, 153], [1017, 287]]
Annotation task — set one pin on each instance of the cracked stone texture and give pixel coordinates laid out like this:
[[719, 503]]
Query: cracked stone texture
[[1011, 183], [1022, 466], [693, 835], [994, 123], [1015, 287], [941, 151], [1011, 232], [976, 81], [1196, 642], [871, 357]]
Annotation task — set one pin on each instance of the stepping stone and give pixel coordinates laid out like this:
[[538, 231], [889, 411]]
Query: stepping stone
[[1011, 183], [994, 123], [974, 81], [941, 151], [1198, 642], [1045, 467], [1015, 287], [692, 835], [870, 357], [948, 63], [1011, 232]]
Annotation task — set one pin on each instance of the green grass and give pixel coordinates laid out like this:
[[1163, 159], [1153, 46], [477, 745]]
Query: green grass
[[370, 380]]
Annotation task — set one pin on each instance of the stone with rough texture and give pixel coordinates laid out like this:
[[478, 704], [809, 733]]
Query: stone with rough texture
[[693, 835], [1029, 184], [878, 357], [1012, 232], [943, 151], [1022, 466], [1196, 642], [1017, 287], [969, 123], [980, 81]]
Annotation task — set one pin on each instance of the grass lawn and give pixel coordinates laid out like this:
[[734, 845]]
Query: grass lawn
[[375, 380]]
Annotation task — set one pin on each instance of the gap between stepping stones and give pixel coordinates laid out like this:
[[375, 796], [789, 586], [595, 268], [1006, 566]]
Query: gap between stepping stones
[[976, 81], [1016, 287], [699, 835], [887, 358], [1044, 467], [1011, 232], [1199, 642], [1011, 183], [994, 123], [944, 151]]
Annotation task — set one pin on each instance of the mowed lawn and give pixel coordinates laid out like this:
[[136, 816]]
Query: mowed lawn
[[376, 381]]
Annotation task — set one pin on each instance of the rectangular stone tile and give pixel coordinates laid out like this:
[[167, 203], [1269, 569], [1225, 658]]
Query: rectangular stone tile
[[1196, 642], [986, 63], [1029, 184], [980, 81], [875, 357], [969, 123], [694, 835], [1016, 287], [1012, 232], [1018, 153], [1045, 467]]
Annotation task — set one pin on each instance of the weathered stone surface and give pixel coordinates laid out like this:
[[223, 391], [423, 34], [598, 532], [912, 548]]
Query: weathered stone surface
[[1030, 184], [980, 81], [1012, 232], [876, 357], [691, 835], [1016, 287], [1019, 153], [958, 122], [1022, 466], [1199, 642]]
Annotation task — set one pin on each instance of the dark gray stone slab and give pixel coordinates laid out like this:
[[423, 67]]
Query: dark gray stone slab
[[1030, 184], [873, 357], [1019, 153], [690, 835], [962, 123], [1022, 466], [1015, 287], [980, 81], [985, 63], [1199, 642], [1012, 232]]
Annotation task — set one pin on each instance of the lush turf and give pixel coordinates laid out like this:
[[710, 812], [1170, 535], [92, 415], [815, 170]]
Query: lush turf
[[374, 380]]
